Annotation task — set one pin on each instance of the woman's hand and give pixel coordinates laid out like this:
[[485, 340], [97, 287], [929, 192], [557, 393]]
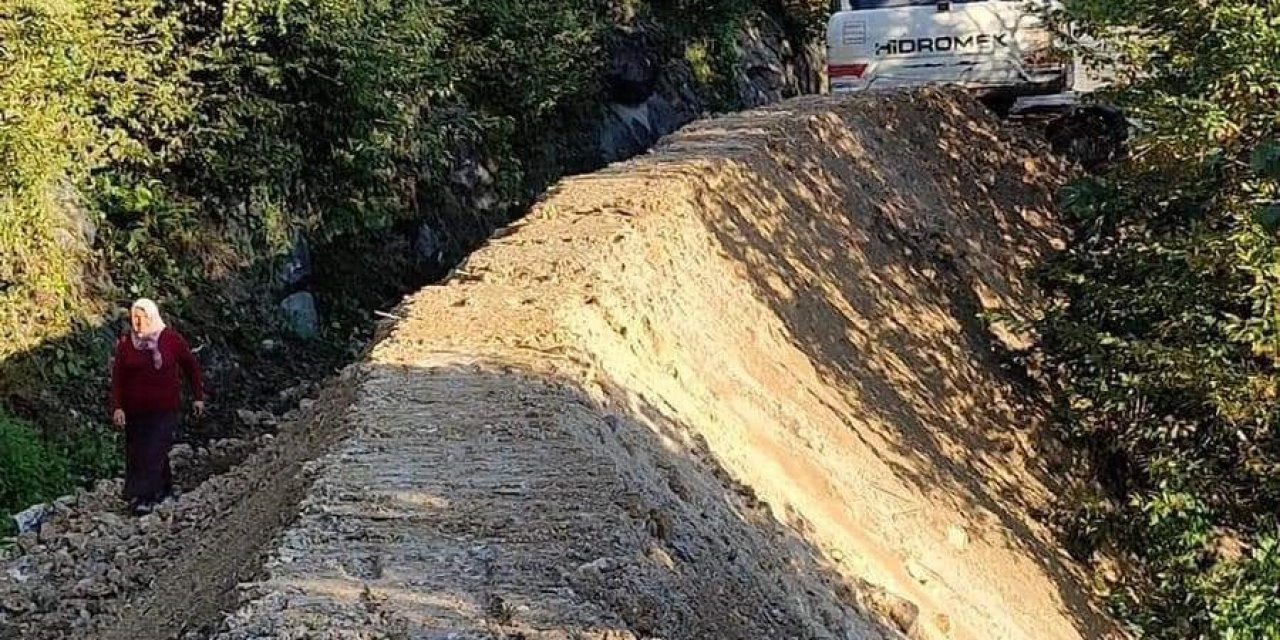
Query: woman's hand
[[199, 407], [117, 418]]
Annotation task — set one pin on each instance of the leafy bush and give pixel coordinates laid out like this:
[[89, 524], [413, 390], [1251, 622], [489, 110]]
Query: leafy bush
[[30, 470], [1163, 339]]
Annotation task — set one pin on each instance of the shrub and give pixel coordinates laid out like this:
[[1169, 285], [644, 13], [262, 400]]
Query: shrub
[[30, 470], [1163, 338]]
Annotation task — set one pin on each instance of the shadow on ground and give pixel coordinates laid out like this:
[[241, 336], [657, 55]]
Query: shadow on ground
[[486, 500], [909, 259], [876, 234]]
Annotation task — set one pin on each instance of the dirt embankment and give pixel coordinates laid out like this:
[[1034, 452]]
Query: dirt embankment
[[737, 388], [693, 395]]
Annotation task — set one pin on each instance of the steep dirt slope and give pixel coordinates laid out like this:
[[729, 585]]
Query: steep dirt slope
[[701, 395]]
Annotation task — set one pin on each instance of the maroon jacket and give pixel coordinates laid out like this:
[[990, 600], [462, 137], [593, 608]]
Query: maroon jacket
[[138, 387]]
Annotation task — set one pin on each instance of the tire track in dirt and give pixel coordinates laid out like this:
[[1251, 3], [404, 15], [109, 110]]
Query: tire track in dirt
[[473, 502]]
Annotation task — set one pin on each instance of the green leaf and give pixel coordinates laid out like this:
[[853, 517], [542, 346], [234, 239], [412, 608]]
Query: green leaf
[[1266, 160], [1269, 218]]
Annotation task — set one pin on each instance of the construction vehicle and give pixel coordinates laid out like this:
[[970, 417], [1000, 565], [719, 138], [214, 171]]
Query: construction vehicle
[[1005, 51]]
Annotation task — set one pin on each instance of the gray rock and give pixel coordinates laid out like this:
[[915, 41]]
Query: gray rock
[[301, 315], [428, 245], [599, 566], [30, 519], [625, 131], [665, 118], [22, 571], [297, 266], [471, 180], [248, 418], [764, 74], [470, 174], [903, 613]]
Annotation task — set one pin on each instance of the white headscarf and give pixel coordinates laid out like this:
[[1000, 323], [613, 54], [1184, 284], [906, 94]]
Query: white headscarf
[[149, 341]]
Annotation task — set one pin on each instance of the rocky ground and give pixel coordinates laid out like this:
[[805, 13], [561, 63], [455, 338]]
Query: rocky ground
[[737, 388], [93, 572]]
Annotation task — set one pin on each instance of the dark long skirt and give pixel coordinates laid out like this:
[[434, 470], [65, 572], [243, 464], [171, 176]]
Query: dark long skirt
[[148, 437]]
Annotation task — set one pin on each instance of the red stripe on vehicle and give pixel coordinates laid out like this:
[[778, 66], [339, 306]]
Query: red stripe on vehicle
[[846, 70]]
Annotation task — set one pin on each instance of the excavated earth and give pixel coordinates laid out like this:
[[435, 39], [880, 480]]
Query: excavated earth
[[741, 387]]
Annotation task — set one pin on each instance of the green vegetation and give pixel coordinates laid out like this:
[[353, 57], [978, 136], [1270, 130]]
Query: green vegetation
[[30, 470], [175, 150], [1163, 340]]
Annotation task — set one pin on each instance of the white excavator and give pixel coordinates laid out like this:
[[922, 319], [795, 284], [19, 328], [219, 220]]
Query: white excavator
[[1005, 51]]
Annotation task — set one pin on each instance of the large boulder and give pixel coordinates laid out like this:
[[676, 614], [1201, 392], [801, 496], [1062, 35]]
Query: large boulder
[[772, 67], [301, 315], [628, 130]]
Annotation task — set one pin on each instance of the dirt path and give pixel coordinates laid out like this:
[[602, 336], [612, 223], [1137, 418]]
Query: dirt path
[[478, 503], [93, 573], [737, 388]]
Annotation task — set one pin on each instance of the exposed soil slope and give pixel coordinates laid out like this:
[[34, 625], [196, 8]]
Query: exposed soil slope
[[585, 431], [737, 388]]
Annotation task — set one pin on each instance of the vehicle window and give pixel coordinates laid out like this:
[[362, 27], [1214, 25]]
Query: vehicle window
[[857, 5], [887, 4]]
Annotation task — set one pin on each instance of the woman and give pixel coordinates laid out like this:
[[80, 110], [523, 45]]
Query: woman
[[146, 401]]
